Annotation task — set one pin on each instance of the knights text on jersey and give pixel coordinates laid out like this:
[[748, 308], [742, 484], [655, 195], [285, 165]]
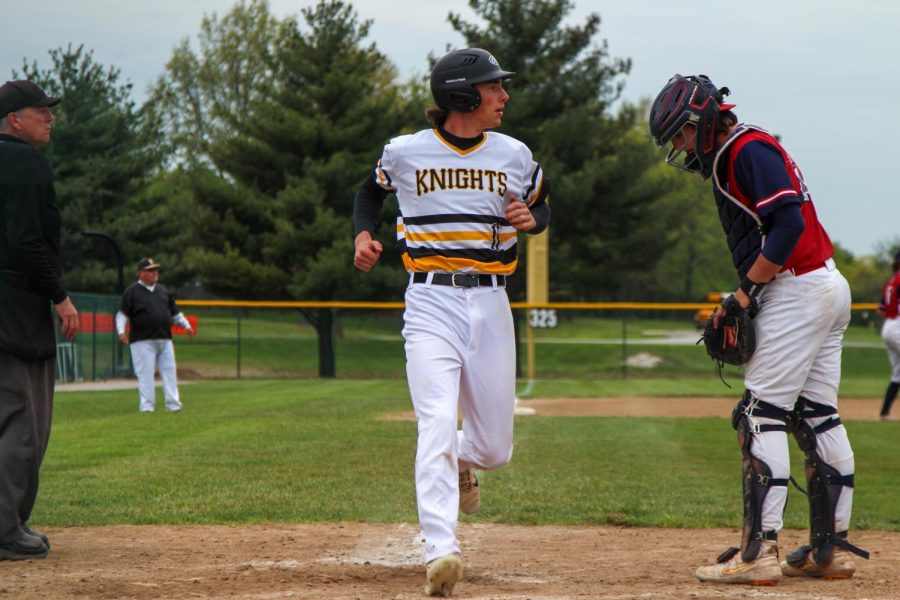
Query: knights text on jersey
[[452, 200]]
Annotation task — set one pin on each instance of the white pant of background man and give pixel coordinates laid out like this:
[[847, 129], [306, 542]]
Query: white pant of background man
[[147, 356]]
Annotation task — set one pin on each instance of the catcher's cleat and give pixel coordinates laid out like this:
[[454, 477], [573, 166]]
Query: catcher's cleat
[[469, 493], [442, 574], [800, 563], [731, 568]]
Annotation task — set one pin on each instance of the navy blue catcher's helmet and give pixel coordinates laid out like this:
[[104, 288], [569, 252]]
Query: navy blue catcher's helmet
[[454, 76], [692, 100]]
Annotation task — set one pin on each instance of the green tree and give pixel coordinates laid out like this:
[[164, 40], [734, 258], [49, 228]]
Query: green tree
[[696, 258], [101, 157], [275, 124], [865, 274], [604, 226]]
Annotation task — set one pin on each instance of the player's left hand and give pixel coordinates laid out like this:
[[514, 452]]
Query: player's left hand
[[743, 301], [730, 335], [518, 215]]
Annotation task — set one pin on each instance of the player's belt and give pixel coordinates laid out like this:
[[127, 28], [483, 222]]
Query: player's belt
[[797, 271], [462, 280]]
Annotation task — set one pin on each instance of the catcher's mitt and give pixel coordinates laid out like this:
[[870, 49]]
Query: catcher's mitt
[[734, 340]]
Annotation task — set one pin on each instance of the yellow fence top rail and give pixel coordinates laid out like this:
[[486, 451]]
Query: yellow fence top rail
[[515, 305]]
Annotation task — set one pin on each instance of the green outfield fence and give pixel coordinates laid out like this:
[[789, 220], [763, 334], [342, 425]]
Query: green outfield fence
[[238, 339]]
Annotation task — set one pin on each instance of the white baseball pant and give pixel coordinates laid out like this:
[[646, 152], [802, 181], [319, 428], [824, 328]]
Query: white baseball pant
[[890, 335], [799, 333], [460, 355], [146, 357]]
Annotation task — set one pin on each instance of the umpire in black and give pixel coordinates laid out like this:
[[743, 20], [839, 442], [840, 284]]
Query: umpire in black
[[30, 269]]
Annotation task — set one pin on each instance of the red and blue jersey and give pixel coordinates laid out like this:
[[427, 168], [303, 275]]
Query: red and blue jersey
[[890, 297], [753, 176]]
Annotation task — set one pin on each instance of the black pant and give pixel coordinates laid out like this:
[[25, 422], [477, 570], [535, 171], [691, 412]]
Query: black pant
[[26, 410]]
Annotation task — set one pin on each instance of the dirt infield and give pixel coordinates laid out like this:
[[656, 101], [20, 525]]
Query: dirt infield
[[852, 409], [383, 561], [378, 561]]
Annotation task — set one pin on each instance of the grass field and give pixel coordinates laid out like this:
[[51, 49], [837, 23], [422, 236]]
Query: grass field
[[315, 451]]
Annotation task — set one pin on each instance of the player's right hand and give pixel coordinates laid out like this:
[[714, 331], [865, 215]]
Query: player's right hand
[[368, 251]]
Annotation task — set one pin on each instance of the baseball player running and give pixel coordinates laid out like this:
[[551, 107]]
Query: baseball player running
[[463, 191], [783, 260], [890, 334]]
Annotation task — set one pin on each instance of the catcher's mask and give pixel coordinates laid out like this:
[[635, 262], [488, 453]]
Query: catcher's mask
[[454, 76], [689, 101]]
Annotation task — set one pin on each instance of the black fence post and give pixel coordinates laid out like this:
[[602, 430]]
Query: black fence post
[[239, 343], [325, 326]]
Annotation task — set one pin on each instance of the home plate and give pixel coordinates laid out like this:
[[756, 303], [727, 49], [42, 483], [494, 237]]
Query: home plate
[[524, 411]]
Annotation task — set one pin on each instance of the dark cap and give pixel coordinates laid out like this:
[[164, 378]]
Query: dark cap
[[16, 95], [897, 257], [147, 264]]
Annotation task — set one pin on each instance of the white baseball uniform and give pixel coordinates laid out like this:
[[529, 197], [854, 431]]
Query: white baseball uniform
[[460, 346], [803, 311], [151, 311], [890, 332]]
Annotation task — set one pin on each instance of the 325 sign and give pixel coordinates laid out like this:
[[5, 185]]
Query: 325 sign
[[542, 318]]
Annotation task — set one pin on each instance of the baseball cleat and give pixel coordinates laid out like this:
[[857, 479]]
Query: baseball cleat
[[731, 568], [800, 563], [442, 574], [469, 493]]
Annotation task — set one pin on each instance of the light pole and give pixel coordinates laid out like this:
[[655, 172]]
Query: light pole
[[120, 287], [120, 276]]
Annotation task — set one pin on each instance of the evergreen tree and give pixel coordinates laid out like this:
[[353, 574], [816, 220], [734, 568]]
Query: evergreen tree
[[275, 124], [602, 228], [101, 157]]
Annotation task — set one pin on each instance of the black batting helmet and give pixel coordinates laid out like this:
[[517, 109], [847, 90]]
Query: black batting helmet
[[692, 100], [454, 76]]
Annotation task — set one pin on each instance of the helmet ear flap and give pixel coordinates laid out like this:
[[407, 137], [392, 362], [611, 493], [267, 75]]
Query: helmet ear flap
[[464, 101]]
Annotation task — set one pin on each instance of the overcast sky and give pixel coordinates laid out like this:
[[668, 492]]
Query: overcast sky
[[823, 74]]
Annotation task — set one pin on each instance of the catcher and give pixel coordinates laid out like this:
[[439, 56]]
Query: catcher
[[786, 321]]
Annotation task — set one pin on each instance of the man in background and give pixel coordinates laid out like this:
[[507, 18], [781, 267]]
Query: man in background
[[30, 270], [151, 310], [889, 308]]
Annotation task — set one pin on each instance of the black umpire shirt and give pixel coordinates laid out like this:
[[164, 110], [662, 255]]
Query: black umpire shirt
[[29, 219], [150, 313]]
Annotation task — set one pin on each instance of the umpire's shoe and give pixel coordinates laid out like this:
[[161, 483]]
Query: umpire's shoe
[[800, 563], [31, 532], [765, 570], [442, 574], [469, 493], [23, 547]]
